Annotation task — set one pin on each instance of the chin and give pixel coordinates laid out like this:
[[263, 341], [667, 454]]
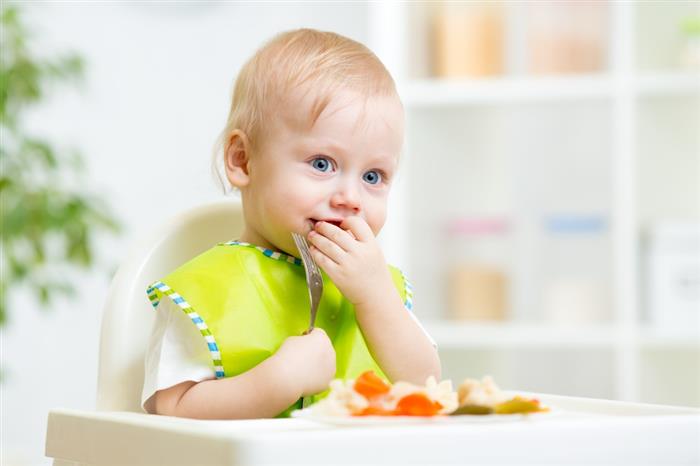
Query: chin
[[288, 247]]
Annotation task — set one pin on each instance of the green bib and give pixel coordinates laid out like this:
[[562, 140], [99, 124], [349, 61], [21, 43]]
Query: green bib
[[247, 300]]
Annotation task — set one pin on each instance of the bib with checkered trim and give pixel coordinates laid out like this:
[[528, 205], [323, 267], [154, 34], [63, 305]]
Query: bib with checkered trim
[[246, 300]]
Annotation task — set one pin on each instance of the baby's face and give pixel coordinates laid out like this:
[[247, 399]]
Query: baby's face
[[340, 167]]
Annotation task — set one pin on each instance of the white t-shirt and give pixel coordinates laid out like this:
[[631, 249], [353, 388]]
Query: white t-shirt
[[177, 352]]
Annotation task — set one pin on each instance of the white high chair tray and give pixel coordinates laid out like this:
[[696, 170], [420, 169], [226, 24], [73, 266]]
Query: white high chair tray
[[585, 431]]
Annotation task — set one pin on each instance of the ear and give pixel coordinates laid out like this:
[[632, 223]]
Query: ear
[[236, 158]]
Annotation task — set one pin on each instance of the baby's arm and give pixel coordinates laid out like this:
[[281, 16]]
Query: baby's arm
[[356, 265], [302, 366], [398, 343], [264, 391]]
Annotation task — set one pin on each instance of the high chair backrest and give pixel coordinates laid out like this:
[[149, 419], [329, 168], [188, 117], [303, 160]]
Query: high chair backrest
[[128, 316]]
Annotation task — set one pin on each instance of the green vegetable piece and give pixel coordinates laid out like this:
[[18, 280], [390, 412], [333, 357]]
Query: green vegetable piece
[[472, 410], [518, 406]]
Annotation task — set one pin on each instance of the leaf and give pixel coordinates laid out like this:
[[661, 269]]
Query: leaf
[[18, 269], [5, 182], [41, 151], [3, 311]]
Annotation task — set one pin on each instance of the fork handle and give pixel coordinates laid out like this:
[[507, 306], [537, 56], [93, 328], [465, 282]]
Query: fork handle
[[305, 399]]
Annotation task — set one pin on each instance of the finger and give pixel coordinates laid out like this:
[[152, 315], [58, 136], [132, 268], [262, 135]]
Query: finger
[[359, 228], [326, 246], [317, 331], [322, 260], [335, 234]]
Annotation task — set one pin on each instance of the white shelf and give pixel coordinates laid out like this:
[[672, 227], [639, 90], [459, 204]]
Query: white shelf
[[670, 83], [456, 92], [449, 92], [494, 335], [655, 338], [451, 334]]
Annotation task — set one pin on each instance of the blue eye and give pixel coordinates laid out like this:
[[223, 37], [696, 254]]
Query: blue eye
[[321, 164], [372, 177]]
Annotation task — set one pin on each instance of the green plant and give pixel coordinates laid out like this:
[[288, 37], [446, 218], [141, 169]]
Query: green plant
[[48, 220]]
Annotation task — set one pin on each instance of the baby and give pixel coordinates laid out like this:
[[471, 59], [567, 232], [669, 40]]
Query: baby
[[312, 144]]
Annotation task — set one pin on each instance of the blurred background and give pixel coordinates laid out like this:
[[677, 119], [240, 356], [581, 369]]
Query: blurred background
[[547, 211]]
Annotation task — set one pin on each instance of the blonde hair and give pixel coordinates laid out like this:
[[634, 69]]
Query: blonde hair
[[318, 61]]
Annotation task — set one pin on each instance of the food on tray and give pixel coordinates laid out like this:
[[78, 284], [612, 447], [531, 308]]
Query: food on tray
[[484, 397], [369, 395]]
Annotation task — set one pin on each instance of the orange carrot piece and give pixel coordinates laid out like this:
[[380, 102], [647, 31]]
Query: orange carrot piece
[[374, 411], [417, 404], [370, 385]]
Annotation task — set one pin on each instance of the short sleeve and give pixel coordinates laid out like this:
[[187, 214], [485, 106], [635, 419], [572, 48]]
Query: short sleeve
[[176, 353]]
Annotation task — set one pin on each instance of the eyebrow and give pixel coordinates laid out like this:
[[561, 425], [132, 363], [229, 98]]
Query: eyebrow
[[331, 147], [326, 146]]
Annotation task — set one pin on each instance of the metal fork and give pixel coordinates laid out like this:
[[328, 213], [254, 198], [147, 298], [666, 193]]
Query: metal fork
[[314, 280]]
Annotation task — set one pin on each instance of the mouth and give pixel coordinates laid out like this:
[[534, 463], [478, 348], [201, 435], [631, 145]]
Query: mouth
[[335, 222]]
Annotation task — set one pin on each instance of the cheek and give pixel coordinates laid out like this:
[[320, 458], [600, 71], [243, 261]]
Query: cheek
[[295, 199], [376, 214], [296, 195]]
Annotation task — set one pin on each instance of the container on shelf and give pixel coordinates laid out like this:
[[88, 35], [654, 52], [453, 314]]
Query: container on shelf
[[690, 53], [566, 36], [468, 39], [673, 275], [575, 267], [478, 268]]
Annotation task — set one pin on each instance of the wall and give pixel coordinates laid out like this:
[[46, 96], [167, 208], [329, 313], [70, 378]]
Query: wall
[[155, 97]]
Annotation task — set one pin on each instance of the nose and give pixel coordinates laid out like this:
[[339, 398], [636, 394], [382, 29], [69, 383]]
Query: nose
[[346, 198]]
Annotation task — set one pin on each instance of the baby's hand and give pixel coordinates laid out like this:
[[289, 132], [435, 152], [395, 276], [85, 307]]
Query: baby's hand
[[311, 359], [352, 258]]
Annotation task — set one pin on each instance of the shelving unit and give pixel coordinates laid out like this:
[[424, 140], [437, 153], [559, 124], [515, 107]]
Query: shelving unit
[[446, 93], [462, 335], [667, 84], [471, 142], [425, 93]]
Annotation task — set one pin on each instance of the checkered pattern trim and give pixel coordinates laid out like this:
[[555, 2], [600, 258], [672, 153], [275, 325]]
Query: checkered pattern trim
[[408, 303], [153, 296], [266, 252]]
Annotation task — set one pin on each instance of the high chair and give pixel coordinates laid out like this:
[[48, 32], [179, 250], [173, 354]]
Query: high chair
[[126, 324], [128, 316], [119, 433]]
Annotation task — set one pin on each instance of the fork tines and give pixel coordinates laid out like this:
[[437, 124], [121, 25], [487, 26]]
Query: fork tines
[[303, 247]]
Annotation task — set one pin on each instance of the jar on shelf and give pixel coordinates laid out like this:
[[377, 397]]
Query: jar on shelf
[[468, 39], [478, 268], [576, 269], [566, 36]]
